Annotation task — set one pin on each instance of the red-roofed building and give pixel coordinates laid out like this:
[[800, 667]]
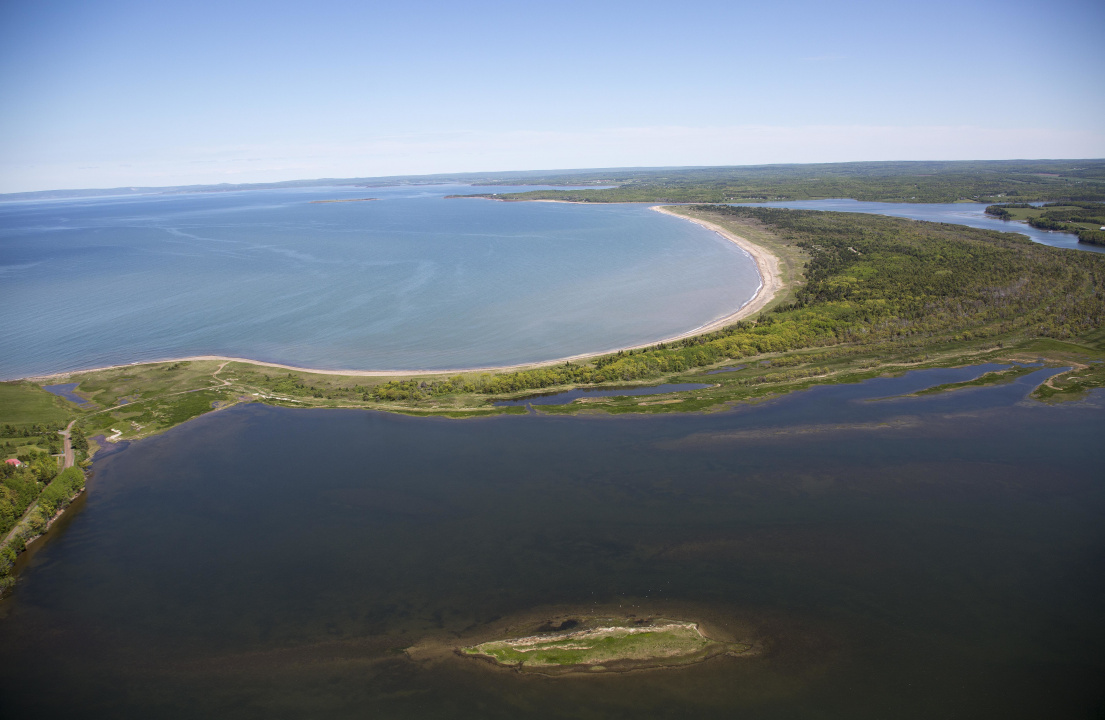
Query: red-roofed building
[[14, 461]]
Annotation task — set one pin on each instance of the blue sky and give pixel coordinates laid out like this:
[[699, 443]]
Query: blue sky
[[115, 93]]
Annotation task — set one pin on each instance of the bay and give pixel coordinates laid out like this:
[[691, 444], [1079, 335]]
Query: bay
[[409, 281]]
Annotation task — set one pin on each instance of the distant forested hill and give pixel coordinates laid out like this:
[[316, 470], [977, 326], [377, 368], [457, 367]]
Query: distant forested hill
[[921, 182], [981, 181]]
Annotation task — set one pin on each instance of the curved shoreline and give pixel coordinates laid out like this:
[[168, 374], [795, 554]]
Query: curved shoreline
[[767, 265]]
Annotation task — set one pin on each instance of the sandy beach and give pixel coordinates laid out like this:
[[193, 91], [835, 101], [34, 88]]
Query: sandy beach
[[770, 284]]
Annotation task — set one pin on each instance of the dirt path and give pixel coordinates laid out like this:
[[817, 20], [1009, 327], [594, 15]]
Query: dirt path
[[68, 444]]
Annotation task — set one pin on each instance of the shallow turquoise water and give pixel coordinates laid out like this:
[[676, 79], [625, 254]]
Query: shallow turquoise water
[[411, 281]]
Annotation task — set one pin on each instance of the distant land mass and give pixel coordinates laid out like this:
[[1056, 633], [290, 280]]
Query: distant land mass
[[341, 200], [906, 181]]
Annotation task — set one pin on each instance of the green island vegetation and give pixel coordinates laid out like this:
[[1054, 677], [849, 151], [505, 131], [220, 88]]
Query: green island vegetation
[[864, 296], [1085, 219], [998, 377], [920, 182], [606, 645]]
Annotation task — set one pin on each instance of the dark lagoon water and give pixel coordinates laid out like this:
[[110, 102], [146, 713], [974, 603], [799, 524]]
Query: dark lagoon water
[[409, 281], [67, 391], [971, 214], [941, 556]]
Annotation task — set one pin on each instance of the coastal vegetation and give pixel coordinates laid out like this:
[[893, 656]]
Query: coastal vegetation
[[920, 182], [30, 498]]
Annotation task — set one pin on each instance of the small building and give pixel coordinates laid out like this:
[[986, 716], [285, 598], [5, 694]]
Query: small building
[[14, 461]]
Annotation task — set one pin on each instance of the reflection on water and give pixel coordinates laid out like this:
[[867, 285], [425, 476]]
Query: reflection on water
[[905, 558]]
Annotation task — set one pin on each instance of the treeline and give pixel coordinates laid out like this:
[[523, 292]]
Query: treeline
[[1093, 213], [54, 498], [871, 280], [921, 182], [44, 434], [21, 486]]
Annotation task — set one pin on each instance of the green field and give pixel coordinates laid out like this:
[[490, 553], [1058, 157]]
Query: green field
[[23, 403]]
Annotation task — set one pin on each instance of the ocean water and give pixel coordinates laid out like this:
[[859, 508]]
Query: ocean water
[[971, 214], [941, 556], [409, 281]]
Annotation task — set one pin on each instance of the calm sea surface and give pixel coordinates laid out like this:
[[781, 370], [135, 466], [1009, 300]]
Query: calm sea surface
[[410, 281], [898, 558]]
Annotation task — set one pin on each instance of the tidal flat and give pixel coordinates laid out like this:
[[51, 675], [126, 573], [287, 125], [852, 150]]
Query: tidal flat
[[909, 557]]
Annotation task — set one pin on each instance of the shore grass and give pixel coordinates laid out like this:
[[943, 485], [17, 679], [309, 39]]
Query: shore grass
[[23, 403]]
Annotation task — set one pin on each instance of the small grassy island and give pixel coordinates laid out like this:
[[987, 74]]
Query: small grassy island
[[607, 645]]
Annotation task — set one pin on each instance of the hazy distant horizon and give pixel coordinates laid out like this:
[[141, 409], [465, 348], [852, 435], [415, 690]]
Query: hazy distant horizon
[[119, 93], [463, 177]]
